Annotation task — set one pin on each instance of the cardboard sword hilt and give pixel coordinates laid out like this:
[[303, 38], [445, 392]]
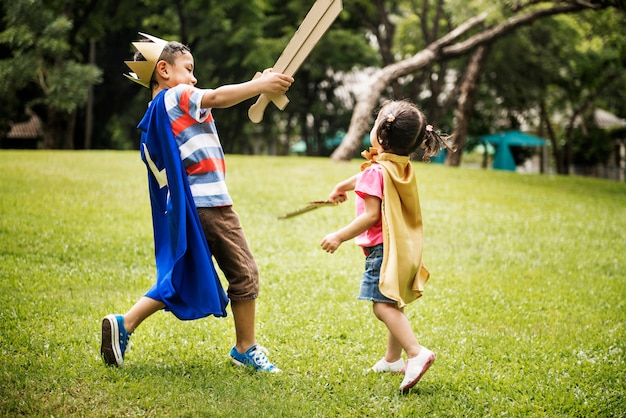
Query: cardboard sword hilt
[[315, 24]]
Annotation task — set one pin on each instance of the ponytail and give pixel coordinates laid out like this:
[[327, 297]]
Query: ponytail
[[433, 143]]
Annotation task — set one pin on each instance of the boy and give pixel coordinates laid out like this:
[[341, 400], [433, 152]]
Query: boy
[[193, 218]]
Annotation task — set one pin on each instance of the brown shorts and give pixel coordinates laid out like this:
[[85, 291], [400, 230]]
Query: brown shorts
[[231, 251]]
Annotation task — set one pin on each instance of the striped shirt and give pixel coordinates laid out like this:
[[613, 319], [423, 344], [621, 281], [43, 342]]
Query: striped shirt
[[199, 146]]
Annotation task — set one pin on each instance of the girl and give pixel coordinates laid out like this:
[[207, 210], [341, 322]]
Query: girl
[[388, 227]]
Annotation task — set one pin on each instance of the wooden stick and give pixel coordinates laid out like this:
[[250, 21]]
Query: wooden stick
[[315, 24]]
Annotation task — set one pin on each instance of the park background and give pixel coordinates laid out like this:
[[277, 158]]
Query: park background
[[552, 69], [526, 308]]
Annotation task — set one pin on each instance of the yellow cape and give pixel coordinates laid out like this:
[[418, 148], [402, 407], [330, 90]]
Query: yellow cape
[[403, 274]]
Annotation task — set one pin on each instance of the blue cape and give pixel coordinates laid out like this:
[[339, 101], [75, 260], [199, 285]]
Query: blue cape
[[186, 282]]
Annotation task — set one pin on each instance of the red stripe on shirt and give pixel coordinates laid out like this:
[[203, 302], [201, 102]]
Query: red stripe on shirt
[[206, 166], [184, 99], [182, 123], [187, 120]]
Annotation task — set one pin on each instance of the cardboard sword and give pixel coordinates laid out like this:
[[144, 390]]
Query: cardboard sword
[[311, 206], [315, 24]]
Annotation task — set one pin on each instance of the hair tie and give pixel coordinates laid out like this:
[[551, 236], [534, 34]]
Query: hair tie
[[390, 117], [429, 128]]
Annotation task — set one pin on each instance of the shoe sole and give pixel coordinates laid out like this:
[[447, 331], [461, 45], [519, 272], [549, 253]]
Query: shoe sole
[[237, 362], [394, 372], [110, 348], [412, 383]]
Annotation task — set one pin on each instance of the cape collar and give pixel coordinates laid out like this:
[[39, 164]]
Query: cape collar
[[372, 156]]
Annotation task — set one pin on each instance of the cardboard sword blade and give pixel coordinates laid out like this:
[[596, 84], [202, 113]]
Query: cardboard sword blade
[[315, 24], [311, 206]]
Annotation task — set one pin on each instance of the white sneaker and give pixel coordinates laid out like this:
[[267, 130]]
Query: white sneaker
[[384, 366], [415, 368]]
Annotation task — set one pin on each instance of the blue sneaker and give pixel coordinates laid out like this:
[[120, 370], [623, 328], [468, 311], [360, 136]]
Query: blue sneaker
[[114, 340], [256, 356]]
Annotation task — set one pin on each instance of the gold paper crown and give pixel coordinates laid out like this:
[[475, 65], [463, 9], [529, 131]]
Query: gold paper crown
[[151, 51]]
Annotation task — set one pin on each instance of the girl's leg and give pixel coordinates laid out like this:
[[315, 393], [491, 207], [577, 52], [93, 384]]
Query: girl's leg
[[140, 311], [419, 358], [394, 349], [400, 331], [392, 361]]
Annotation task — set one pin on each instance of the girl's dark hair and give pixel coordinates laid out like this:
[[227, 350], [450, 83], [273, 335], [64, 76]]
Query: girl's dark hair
[[403, 129], [169, 54]]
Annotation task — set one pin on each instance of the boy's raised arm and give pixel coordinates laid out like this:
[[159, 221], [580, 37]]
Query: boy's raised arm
[[232, 94]]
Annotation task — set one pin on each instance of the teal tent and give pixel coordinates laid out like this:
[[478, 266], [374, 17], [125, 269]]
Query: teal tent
[[440, 158], [502, 141]]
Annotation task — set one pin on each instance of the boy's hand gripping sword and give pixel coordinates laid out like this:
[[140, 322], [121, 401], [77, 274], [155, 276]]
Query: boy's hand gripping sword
[[317, 21]]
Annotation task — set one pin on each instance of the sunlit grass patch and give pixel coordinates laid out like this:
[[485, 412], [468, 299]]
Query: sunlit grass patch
[[525, 309]]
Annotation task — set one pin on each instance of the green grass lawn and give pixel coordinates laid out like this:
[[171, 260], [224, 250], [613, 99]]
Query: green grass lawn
[[525, 309]]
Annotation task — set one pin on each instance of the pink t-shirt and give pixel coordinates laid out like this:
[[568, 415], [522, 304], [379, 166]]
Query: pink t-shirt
[[369, 182]]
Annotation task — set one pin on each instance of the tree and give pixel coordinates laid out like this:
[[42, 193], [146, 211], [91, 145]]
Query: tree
[[363, 110], [553, 76], [44, 69], [465, 104], [443, 49], [593, 69], [423, 46]]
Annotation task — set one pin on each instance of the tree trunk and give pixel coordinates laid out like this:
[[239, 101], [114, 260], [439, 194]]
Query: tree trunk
[[586, 103], [382, 27], [49, 131], [90, 99], [465, 103], [556, 150], [68, 140], [440, 49], [563, 155], [362, 115]]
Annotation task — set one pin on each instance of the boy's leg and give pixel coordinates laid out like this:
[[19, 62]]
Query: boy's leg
[[231, 251], [116, 329], [140, 311], [244, 312], [246, 352]]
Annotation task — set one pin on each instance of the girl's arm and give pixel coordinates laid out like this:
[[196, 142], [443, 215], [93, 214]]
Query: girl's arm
[[338, 194], [232, 94], [360, 224]]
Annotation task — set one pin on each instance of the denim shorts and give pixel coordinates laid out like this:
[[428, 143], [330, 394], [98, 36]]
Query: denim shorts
[[371, 276]]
